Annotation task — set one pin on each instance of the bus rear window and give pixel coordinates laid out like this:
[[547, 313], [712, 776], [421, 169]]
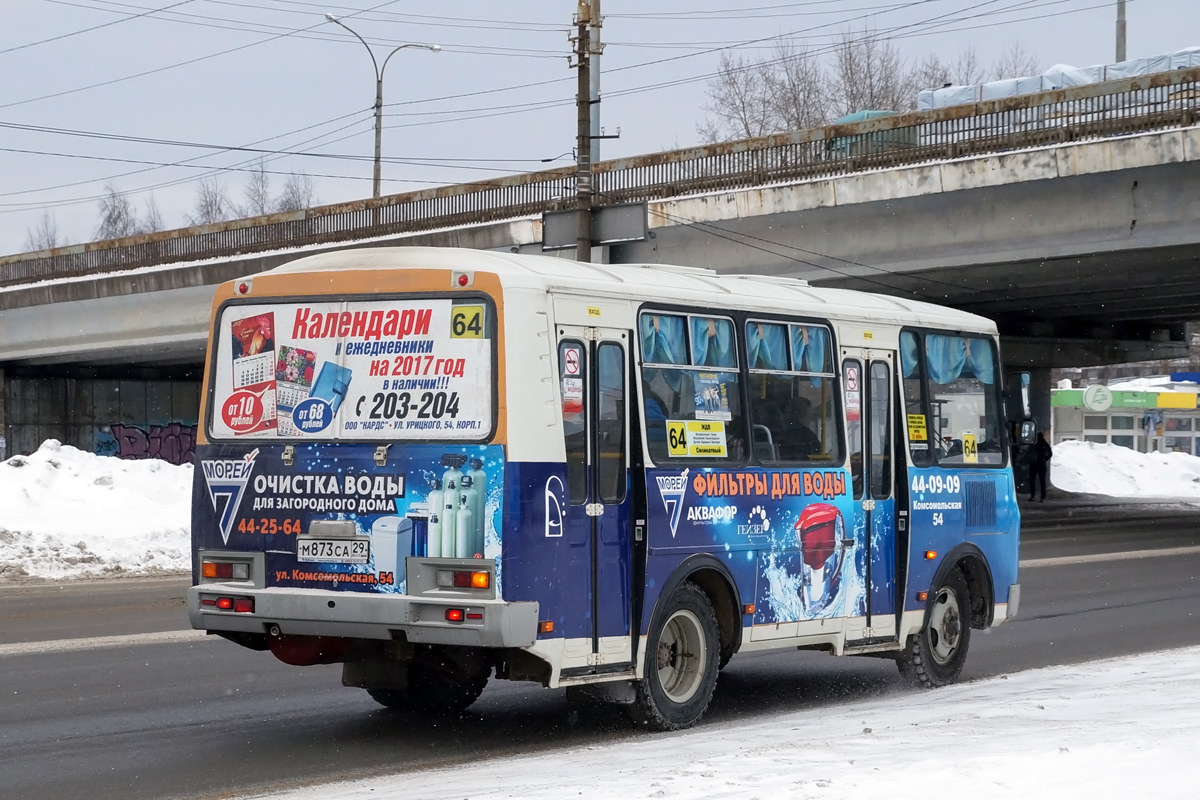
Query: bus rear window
[[354, 370]]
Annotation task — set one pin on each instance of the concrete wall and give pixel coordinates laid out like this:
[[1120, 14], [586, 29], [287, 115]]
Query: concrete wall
[[125, 418]]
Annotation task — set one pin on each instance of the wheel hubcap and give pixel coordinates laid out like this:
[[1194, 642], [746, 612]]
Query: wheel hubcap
[[945, 626], [681, 656]]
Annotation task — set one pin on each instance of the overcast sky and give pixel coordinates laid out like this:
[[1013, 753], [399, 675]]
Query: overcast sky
[[273, 74]]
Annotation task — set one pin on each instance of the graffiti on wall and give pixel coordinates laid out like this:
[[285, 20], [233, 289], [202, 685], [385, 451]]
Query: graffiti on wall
[[174, 443]]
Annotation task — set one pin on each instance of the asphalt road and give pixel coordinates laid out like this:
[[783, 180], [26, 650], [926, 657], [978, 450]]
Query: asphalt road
[[201, 717]]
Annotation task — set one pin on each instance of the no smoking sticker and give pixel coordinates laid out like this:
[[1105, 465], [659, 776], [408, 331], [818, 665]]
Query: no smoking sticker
[[852, 378], [572, 361]]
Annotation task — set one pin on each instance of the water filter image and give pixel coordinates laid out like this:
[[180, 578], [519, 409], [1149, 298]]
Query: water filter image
[[480, 484], [453, 462], [449, 515], [464, 528], [471, 538], [391, 541], [451, 483], [433, 535]]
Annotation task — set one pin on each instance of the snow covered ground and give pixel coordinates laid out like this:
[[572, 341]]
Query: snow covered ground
[[1120, 472], [67, 513], [1111, 729]]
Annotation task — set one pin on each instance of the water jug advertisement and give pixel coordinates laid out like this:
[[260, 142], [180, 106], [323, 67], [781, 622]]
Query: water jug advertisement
[[354, 370], [442, 501], [794, 528]]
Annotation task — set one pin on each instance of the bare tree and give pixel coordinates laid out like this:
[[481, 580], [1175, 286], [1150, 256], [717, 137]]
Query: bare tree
[[298, 194], [257, 193], [1016, 62], [117, 215], [797, 89], [152, 222], [44, 235], [793, 89], [739, 102], [870, 73], [967, 69], [933, 73], [212, 203]]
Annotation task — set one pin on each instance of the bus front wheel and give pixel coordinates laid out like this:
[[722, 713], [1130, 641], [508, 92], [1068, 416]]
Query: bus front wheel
[[682, 657], [935, 656]]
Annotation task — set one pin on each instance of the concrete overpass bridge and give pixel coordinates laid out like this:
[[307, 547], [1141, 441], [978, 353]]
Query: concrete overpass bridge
[[1072, 217]]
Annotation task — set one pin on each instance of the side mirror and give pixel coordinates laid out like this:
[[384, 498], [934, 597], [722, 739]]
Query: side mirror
[[1027, 432], [1016, 396]]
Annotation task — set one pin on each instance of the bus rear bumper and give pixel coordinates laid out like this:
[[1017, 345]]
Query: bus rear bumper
[[355, 615]]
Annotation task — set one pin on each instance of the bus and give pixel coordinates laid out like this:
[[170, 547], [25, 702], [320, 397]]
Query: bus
[[438, 466]]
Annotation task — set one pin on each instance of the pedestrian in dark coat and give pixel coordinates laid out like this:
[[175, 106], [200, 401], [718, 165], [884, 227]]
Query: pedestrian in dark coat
[[1042, 454]]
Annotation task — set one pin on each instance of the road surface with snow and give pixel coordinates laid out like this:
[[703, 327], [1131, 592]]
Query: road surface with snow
[[1113, 729]]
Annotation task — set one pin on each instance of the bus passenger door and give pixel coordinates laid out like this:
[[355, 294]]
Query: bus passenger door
[[869, 377], [594, 370]]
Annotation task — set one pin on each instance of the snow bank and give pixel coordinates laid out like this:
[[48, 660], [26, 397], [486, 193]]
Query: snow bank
[[1111, 729], [67, 513], [1120, 472]]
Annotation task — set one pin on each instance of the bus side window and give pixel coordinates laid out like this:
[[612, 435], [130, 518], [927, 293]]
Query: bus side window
[[852, 374], [690, 374], [793, 412], [572, 370], [915, 415], [610, 420]]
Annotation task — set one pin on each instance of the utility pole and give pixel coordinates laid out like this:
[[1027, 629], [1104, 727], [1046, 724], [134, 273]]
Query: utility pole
[[1120, 30], [583, 105]]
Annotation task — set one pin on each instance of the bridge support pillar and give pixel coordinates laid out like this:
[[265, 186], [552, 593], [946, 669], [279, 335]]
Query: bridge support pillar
[[1039, 397], [3, 422]]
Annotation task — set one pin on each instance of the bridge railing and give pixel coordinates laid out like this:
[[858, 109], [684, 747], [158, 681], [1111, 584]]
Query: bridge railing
[[1101, 110]]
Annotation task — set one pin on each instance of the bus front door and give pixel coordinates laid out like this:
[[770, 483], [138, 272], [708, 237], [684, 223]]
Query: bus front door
[[868, 378], [594, 371]]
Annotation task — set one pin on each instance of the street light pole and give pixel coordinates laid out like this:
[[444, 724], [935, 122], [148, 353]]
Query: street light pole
[[379, 93]]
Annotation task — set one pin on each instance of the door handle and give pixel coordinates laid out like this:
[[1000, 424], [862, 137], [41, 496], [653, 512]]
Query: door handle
[[594, 509]]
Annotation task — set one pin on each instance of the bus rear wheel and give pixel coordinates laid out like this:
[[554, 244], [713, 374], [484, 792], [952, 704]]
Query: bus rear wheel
[[682, 658], [437, 684], [935, 656]]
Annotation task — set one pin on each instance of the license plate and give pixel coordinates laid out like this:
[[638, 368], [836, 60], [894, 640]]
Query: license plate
[[334, 551]]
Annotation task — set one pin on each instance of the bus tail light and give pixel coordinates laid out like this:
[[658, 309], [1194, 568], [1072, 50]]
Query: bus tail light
[[238, 605], [225, 570], [463, 579], [454, 615]]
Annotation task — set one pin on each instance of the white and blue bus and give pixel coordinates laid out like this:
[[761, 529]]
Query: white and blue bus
[[434, 466]]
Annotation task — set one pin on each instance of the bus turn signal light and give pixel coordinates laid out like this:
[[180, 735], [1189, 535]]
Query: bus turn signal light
[[922, 596], [546, 626], [463, 579], [930, 555]]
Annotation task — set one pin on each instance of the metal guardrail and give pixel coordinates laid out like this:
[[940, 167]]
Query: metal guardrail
[[1101, 110]]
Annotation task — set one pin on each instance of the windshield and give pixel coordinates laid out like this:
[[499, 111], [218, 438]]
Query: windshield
[[354, 370]]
